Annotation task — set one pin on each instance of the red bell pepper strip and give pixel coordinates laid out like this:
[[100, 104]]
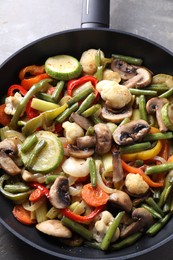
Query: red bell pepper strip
[[31, 112], [16, 88], [4, 118], [36, 195], [39, 186], [76, 83], [31, 70], [29, 82], [58, 128], [81, 219]]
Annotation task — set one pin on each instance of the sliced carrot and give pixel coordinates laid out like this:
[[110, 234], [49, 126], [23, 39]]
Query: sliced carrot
[[94, 196], [4, 118], [22, 215], [36, 195]]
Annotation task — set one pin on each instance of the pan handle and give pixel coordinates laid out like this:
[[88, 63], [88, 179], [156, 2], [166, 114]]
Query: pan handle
[[95, 13]]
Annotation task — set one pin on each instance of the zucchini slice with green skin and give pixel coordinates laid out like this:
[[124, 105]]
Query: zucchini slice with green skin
[[167, 115], [50, 156], [63, 67]]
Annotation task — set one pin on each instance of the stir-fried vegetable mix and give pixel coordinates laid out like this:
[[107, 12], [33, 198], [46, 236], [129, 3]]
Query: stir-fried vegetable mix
[[86, 149]]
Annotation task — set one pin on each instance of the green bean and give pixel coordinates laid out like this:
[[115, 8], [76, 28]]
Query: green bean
[[158, 136], [135, 148], [166, 190], [167, 205], [111, 230], [41, 86], [99, 73], [154, 229], [45, 96], [92, 170], [128, 59], [142, 108], [167, 94], [158, 87], [90, 131], [64, 115], [29, 143], [16, 187], [51, 178], [154, 213], [151, 202], [126, 242], [18, 197], [90, 111], [159, 168], [92, 244], [33, 156], [86, 103], [57, 91], [83, 94], [78, 228], [139, 92], [95, 119], [125, 121]]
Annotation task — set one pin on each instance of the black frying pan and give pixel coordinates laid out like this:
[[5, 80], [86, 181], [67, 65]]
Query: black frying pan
[[155, 57]]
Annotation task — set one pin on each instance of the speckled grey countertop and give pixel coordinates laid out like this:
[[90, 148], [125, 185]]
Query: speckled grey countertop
[[22, 22]]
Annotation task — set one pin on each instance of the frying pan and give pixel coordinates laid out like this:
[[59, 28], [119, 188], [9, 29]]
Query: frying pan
[[94, 34]]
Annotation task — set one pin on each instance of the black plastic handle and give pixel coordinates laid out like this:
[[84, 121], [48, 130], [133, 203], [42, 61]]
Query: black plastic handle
[[95, 13]]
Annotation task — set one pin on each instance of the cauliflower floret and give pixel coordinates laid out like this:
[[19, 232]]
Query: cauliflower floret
[[135, 184], [72, 131], [12, 103], [88, 62], [109, 74], [115, 95], [102, 225]]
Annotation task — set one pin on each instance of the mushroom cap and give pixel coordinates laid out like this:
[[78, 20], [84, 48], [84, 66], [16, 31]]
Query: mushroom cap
[[154, 106], [125, 70], [131, 132], [87, 141], [103, 138], [142, 79], [121, 200], [79, 153], [143, 220], [59, 195], [116, 116], [54, 228]]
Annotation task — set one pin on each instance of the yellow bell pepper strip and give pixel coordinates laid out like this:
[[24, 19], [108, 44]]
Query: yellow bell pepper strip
[[41, 86], [135, 170], [147, 154], [44, 118], [144, 155]]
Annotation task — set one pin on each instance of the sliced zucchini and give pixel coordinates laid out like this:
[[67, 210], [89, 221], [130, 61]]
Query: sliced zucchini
[[167, 115], [50, 156], [63, 67]]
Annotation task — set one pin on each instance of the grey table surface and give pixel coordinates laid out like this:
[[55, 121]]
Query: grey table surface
[[22, 22]]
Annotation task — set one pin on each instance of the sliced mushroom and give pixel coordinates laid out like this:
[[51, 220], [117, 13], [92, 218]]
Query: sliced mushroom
[[143, 220], [87, 141], [125, 70], [54, 228], [154, 106], [131, 132], [59, 193], [103, 138], [81, 121], [9, 146], [142, 79], [121, 200], [116, 116], [79, 153], [8, 165]]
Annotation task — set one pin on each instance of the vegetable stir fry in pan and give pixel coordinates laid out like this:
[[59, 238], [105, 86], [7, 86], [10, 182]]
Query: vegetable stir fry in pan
[[86, 149]]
